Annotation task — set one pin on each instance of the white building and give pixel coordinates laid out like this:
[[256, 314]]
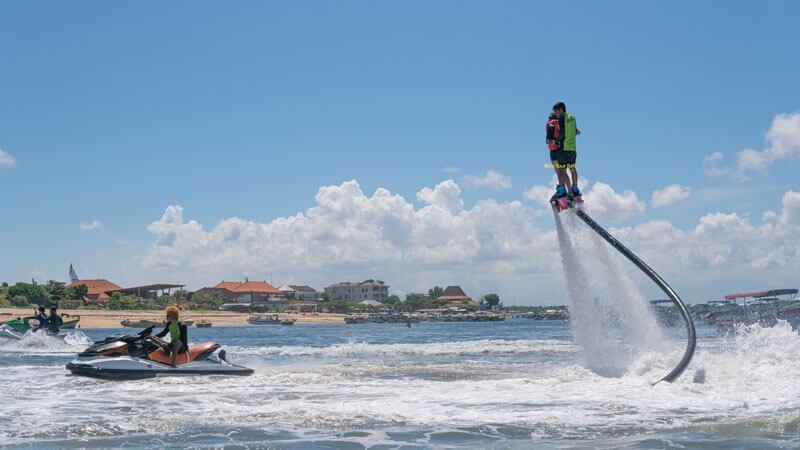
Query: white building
[[358, 292], [299, 292]]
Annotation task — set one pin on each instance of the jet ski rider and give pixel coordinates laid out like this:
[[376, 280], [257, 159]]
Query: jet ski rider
[[177, 333]]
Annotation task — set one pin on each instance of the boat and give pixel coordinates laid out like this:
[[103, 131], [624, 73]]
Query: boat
[[132, 357], [144, 323], [288, 321], [264, 319], [203, 324], [70, 321], [765, 308], [236, 307]]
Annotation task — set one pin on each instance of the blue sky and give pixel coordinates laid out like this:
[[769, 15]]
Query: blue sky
[[113, 112]]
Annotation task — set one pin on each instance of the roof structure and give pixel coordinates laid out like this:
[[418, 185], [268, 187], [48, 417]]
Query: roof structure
[[256, 286], [302, 288], [454, 293], [229, 285], [760, 294], [370, 303], [97, 287], [137, 290]]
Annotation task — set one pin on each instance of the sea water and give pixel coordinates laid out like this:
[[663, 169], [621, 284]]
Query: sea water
[[514, 384]]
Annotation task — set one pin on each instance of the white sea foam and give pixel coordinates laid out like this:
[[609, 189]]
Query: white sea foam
[[364, 349], [751, 377]]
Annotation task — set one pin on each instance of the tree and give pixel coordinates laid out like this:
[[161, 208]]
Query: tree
[[492, 299], [391, 300], [56, 290], [325, 297], [19, 300], [32, 292], [436, 292], [77, 292], [416, 301], [341, 306], [5, 283]]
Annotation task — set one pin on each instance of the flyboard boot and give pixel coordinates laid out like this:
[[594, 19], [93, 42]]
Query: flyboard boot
[[575, 197], [559, 200]]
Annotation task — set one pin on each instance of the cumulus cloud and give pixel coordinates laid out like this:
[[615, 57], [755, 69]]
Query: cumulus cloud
[[491, 246], [6, 160], [349, 234], [93, 225], [782, 143], [602, 202], [492, 179], [670, 195]]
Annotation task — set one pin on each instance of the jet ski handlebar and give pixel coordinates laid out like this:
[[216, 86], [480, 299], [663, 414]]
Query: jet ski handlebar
[[146, 332]]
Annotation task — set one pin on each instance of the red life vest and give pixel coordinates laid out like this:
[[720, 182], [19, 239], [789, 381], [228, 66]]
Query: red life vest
[[553, 130]]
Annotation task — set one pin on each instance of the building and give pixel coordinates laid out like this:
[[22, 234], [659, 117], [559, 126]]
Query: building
[[98, 289], [457, 297], [256, 292], [298, 292], [149, 291], [358, 292], [209, 291]]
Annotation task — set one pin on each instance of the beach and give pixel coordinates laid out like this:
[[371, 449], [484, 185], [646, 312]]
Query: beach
[[112, 318]]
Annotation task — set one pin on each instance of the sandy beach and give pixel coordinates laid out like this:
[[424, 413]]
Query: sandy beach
[[112, 319]]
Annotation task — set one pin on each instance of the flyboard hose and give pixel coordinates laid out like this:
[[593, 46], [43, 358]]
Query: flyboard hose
[[691, 336]]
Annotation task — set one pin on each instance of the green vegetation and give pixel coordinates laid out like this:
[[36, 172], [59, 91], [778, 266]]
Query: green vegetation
[[491, 300]]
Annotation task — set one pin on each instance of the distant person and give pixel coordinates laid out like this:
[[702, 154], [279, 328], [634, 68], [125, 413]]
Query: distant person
[[54, 322], [568, 145], [179, 338]]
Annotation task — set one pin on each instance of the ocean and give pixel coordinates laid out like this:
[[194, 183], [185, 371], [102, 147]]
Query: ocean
[[513, 384]]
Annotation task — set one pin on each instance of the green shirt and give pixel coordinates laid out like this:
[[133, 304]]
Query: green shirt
[[174, 330], [570, 131]]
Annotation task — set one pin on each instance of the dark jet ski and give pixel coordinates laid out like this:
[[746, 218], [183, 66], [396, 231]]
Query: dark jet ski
[[132, 357]]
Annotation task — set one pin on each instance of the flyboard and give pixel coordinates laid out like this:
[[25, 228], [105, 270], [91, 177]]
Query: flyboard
[[562, 204]]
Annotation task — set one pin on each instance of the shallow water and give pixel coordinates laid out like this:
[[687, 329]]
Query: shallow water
[[512, 384]]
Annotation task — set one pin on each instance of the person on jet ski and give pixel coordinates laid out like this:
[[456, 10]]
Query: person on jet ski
[[41, 317], [177, 333], [54, 322]]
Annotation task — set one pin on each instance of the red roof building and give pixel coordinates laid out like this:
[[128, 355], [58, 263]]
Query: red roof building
[[97, 288]]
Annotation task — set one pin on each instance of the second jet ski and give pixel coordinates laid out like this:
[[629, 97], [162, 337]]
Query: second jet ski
[[130, 357]]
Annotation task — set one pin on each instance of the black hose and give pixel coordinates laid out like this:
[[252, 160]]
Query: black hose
[[691, 336]]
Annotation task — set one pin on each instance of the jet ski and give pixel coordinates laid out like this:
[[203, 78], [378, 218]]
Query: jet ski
[[8, 332], [133, 357]]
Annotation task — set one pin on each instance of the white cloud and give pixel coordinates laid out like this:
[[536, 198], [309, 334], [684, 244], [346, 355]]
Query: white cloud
[[783, 143], [492, 246], [670, 195], [349, 235], [121, 241], [711, 165], [492, 179], [93, 225], [6, 160], [450, 169], [602, 202]]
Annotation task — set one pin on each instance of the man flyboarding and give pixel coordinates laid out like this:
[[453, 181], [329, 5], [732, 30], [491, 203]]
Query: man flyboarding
[[563, 157]]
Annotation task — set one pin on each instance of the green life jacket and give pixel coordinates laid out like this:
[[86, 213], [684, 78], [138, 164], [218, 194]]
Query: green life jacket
[[175, 330], [570, 131]]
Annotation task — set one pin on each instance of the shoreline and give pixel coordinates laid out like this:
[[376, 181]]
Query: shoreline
[[112, 318]]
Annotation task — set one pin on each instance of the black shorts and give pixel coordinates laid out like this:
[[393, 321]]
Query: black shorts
[[563, 158]]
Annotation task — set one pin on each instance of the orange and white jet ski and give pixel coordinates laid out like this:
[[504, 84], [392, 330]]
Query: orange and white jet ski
[[130, 357]]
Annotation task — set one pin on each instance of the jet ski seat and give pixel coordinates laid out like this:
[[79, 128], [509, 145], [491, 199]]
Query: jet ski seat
[[195, 350]]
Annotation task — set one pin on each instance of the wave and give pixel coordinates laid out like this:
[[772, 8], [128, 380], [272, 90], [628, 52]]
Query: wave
[[356, 349]]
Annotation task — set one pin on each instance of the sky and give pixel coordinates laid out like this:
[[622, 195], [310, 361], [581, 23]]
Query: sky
[[317, 142]]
